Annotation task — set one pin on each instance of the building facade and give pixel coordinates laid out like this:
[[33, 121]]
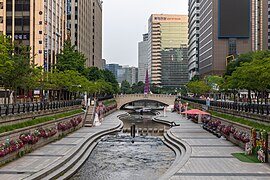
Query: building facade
[[113, 68], [193, 37], [85, 29], [142, 58], [39, 25], [127, 73], [228, 29], [167, 34]]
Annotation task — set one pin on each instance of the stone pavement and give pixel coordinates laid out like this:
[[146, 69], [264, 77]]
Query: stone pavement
[[46, 157], [211, 156]]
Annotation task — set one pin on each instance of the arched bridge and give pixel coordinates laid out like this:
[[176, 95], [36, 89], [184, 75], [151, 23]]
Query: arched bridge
[[128, 98]]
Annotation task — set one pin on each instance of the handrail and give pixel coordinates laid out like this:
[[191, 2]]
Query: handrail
[[10, 109]]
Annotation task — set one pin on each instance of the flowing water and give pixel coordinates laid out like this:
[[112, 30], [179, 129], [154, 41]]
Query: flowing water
[[117, 158]]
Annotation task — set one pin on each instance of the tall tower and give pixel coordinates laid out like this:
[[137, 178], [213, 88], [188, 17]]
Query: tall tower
[[85, 29], [167, 52], [229, 28], [38, 25], [142, 57], [193, 37]]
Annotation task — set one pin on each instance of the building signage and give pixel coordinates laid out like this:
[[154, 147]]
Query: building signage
[[167, 19], [21, 37]]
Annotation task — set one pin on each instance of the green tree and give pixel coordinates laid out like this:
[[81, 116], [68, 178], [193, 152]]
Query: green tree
[[246, 58], [6, 62], [109, 77], [198, 87], [93, 73], [125, 87], [138, 87], [70, 59], [23, 69]]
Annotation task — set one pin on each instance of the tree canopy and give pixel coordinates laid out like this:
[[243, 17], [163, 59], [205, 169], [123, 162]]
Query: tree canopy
[[70, 59]]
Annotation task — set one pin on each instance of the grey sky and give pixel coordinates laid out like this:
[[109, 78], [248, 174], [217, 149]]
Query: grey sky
[[124, 22]]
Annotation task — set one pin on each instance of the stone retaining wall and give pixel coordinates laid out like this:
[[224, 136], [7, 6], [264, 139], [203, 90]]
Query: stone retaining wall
[[4, 137]]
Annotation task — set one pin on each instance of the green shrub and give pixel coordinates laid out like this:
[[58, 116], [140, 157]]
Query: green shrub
[[36, 121]]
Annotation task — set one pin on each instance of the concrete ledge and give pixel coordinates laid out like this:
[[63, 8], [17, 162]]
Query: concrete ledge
[[181, 149], [68, 165]]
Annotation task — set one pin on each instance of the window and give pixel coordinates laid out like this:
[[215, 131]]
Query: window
[[40, 51], [40, 32], [40, 22], [40, 42]]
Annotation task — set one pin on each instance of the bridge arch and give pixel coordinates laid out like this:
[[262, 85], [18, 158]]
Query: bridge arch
[[128, 98]]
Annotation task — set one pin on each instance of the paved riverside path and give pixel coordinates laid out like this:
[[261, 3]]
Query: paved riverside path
[[51, 154], [211, 157]]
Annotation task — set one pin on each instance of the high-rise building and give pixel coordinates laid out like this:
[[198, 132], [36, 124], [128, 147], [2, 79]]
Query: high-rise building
[[229, 28], [113, 68], [85, 29], [38, 25], [142, 58], [103, 66], [168, 39], [193, 37], [127, 73]]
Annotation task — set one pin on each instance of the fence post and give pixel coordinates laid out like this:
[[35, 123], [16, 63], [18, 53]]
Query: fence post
[[7, 110], [18, 108]]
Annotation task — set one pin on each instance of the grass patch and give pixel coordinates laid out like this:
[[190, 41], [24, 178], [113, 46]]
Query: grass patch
[[109, 102], [36, 121], [246, 158], [242, 121]]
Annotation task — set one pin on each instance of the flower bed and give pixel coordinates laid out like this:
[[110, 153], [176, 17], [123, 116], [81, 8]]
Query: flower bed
[[27, 140], [219, 129]]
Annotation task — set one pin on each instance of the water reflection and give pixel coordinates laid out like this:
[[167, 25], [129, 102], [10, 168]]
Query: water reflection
[[116, 158]]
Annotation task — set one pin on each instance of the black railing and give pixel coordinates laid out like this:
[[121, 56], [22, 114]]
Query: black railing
[[263, 109], [11, 109]]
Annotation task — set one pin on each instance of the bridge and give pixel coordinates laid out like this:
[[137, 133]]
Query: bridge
[[128, 98]]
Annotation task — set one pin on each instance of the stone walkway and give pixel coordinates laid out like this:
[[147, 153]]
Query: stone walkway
[[48, 156], [211, 157]]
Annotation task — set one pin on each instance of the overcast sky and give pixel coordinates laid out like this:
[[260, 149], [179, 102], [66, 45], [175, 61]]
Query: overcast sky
[[124, 22]]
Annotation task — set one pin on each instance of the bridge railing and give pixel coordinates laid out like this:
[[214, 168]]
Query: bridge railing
[[11, 109], [146, 95], [263, 109]]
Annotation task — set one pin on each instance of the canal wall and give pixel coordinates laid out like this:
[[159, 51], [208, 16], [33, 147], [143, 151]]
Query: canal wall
[[17, 143]]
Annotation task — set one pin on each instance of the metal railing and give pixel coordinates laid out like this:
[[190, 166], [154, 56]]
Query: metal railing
[[263, 109], [11, 109]]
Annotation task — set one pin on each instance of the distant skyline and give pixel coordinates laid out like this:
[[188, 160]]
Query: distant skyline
[[124, 22]]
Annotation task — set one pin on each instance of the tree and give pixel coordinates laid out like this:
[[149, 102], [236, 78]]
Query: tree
[[109, 77], [92, 73], [18, 76], [70, 59], [138, 87], [214, 83], [198, 87], [125, 87], [6, 62], [246, 58]]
